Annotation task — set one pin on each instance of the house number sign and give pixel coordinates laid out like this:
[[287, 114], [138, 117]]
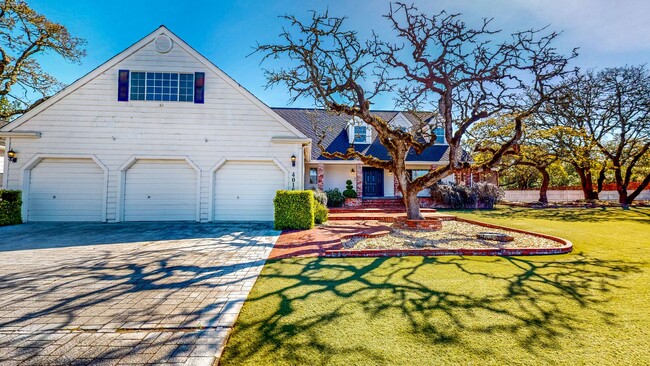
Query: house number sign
[[293, 181]]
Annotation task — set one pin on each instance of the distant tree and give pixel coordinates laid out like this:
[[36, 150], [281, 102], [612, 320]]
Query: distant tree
[[602, 126], [517, 176], [531, 151], [24, 35], [565, 127], [621, 126], [440, 64]]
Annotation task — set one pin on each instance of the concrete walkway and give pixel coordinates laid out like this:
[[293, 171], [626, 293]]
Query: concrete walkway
[[104, 294]]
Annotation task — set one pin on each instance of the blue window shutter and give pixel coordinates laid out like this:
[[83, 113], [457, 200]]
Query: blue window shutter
[[199, 87], [123, 86]]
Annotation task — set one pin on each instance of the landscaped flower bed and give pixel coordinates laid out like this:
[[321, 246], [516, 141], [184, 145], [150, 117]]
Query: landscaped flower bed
[[453, 235]]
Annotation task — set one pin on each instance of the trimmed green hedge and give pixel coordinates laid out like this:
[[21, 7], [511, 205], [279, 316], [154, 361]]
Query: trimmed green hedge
[[294, 210], [10, 207], [320, 212]]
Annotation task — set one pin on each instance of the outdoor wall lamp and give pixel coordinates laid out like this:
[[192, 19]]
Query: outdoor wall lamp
[[11, 154], [293, 160], [352, 171]]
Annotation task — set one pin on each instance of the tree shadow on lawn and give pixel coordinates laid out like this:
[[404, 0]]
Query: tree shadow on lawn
[[433, 301], [599, 214]]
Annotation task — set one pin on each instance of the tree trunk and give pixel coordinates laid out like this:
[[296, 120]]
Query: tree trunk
[[412, 203], [586, 183], [546, 179], [638, 190], [621, 188]]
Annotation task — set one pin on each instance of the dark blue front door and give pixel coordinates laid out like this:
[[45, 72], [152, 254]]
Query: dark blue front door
[[373, 182]]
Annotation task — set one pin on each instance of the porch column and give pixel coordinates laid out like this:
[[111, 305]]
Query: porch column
[[359, 178], [321, 175]]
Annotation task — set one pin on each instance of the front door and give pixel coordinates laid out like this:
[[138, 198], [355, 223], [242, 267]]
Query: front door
[[373, 182]]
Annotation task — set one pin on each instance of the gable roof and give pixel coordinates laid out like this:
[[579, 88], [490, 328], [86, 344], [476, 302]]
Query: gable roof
[[332, 130], [131, 50]]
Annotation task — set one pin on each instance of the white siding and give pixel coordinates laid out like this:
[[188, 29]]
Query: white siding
[[90, 120], [239, 194], [160, 190], [335, 176], [65, 190]]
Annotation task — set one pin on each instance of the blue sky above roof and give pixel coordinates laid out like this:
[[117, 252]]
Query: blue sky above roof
[[226, 31]]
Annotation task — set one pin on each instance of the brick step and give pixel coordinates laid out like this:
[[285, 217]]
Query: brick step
[[382, 217], [335, 210]]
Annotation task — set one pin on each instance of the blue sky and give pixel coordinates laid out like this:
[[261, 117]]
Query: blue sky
[[609, 33]]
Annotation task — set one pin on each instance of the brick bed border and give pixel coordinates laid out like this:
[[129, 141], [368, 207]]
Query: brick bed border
[[567, 247]]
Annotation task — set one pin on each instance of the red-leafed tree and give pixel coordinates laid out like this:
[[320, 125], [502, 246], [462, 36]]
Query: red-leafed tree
[[437, 63]]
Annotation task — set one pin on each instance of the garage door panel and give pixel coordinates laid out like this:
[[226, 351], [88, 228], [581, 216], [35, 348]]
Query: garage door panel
[[65, 190], [160, 190], [244, 191]]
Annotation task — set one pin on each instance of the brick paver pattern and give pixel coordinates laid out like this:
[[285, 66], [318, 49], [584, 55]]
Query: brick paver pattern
[[132, 293]]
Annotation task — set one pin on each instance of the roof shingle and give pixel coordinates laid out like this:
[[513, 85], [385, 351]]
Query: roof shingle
[[318, 124]]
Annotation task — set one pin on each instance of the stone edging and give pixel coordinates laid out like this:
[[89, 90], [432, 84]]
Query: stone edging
[[567, 247]]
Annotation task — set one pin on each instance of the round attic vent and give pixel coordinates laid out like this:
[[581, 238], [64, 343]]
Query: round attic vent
[[163, 43]]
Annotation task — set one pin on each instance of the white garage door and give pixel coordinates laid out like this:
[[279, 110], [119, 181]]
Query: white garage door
[[160, 190], [244, 191], [65, 190]]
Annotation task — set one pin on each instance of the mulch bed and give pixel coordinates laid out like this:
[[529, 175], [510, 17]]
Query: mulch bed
[[330, 241]]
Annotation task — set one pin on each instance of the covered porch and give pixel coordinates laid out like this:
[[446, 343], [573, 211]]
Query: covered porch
[[369, 183]]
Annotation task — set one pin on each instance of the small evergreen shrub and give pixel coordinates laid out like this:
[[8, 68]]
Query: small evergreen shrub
[[10, 207], [294, 209], [334, 198], [349, 191], [320, 212], [320, 196]]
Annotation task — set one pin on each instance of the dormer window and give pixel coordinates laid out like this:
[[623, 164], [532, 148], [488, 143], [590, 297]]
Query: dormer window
[[360, 134], [440, 135]]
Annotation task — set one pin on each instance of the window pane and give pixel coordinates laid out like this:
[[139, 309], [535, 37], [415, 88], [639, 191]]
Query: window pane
[[360, 134], [418, 173], [137, 86], [186, 88], [313, 176], [440, 135], [162, 86]]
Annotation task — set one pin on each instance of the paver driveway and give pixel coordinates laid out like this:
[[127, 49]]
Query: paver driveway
[[124, 293]]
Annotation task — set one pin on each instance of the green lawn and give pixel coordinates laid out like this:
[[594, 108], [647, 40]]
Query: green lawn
[[585, 308]]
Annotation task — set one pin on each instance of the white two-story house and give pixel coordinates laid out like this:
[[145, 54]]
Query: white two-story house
[[159, 133]]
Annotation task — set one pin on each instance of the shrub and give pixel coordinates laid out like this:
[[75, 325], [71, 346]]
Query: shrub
[[294, 210], [481, 195], [349, 191], [320, 196], [320, 212], [453, 196], [487, 194], [334, 198], [10, 207]]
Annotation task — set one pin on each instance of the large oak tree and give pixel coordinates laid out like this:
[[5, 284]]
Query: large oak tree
[[437, 63]]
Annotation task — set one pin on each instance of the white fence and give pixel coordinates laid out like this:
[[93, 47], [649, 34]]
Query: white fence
[[562, 195]]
